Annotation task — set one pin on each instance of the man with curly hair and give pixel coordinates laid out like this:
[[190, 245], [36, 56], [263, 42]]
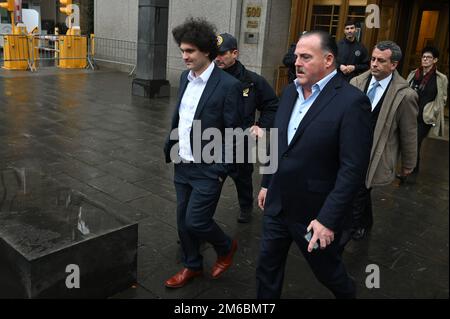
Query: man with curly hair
[[213, 98]]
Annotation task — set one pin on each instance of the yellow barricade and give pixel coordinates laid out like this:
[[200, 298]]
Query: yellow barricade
[[72, 52], [16, 52]]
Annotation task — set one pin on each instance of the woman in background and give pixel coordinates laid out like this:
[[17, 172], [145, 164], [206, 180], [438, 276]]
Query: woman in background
[[431, 86]]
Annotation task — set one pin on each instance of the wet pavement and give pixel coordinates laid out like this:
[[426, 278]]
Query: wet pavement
[[83, 129]]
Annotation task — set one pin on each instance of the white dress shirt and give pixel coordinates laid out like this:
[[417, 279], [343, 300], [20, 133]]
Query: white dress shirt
[[188, 107], [379, 90]]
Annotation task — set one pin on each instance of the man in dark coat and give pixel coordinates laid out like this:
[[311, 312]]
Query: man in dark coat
[[258, 96]]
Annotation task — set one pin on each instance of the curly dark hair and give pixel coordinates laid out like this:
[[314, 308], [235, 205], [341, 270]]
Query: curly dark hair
[[199, 32]]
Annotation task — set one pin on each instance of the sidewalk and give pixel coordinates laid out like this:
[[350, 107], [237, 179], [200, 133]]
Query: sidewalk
[[86, 130]]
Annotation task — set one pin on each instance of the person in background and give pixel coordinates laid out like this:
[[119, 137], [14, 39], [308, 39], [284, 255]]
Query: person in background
[[258, 96], [352, 58], [431, 86], [394, 121], [289, 62]]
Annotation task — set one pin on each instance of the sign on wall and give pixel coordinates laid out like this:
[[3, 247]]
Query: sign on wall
[[253, 15], [252, 23]]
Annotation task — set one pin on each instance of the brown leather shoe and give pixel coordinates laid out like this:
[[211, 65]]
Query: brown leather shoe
[[224, 262], [182, 277]]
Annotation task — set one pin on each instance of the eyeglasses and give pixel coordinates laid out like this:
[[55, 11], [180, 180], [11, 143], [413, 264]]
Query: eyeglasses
[[427, 57]]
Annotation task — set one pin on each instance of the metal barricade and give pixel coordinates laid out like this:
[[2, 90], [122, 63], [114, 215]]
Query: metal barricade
[[29, 52], [63, 51], [45, 51], [114, 51]]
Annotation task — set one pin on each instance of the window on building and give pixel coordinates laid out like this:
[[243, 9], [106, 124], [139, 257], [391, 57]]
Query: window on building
[[357, 13], [325, 18], [5, 16]]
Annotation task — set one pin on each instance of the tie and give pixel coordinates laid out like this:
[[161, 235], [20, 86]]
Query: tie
[[372, 91]]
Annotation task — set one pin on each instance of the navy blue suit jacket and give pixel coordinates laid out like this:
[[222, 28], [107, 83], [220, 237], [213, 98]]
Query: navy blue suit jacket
[[220, 107], [321, 170]]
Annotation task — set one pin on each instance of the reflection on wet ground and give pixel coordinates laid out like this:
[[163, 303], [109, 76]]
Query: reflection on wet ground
[[39, 216]]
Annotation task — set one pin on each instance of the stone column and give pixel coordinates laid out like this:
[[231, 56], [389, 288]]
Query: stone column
[[150, 78]]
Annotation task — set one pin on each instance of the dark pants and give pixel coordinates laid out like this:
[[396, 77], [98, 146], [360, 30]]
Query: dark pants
[[422, 132], [361, 216], [362, 209], [243, 180], [198, 191], [326, 264]]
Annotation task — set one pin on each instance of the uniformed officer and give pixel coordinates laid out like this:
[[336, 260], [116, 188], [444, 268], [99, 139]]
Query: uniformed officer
[[353, 58], [258, 95]]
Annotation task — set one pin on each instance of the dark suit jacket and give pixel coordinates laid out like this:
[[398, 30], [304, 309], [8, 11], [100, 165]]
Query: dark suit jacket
[[321, 170], [220, 106]]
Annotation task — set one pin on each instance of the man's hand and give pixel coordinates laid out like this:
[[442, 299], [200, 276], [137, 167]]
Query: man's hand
[[256, 132], [320, 233], [407, 171], [262, 198], [344, 69], [350, 68]]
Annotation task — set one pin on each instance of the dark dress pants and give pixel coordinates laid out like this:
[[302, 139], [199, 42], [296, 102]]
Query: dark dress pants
[[242, 178], [362, 209], [422, 132], [327, 265], [198, 191], [361, 218]]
